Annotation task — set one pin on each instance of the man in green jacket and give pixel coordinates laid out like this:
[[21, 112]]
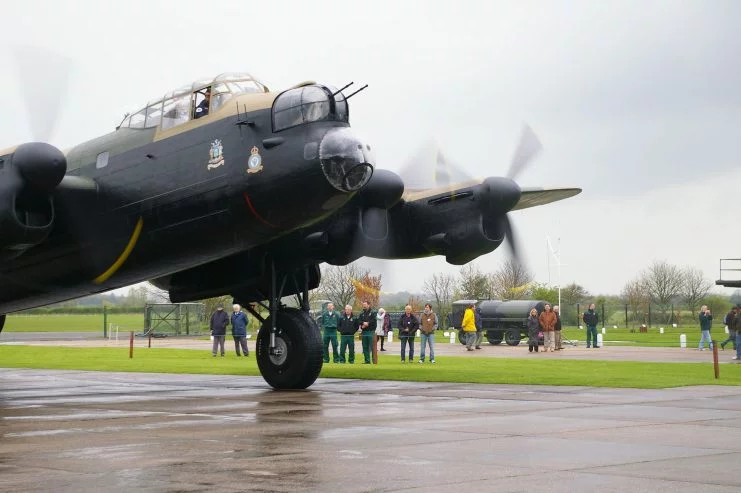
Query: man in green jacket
[[329, 324], [347, 326], [367, 323]]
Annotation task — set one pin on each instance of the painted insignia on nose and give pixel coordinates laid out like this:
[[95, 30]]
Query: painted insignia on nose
[[216, 155], [254, 164]]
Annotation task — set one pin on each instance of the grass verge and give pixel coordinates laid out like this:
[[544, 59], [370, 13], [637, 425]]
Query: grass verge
[[453, 369]]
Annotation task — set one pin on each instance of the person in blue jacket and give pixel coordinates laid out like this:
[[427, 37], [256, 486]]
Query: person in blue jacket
[[239, 330]]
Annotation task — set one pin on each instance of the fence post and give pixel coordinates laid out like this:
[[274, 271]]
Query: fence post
[[105, 321], [604, 322], [649, 314], [578, 316], [131, 344]]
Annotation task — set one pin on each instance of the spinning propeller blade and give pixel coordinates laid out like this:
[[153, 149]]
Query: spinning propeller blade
[[42, 78]]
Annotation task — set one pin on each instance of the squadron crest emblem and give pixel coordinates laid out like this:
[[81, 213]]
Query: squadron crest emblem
[[215, 154], [254, 164]]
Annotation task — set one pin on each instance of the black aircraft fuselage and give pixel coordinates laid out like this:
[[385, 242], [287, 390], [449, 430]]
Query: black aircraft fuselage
[[162, 203], [224, 188]]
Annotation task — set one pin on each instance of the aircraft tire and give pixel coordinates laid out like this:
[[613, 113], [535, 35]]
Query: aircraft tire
[[2, 322], [300, 361], [462, 337]]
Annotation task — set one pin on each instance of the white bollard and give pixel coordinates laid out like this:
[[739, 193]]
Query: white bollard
[[682, 341], [417, 333], [390, 337], [600, 341], [661, 330], [452, 337], [674, 325], [726, 329], [446, 334], [581, 327], [249, 336], [603, 330], [614, 326]]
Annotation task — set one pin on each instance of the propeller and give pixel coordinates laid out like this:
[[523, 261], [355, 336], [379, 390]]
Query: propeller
[[429, 167], [42, 76]]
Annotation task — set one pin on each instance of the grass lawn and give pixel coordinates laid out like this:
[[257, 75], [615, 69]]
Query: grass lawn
[[447, 369], [71, 323]]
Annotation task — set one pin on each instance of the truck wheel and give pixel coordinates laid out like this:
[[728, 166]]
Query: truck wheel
[[494, 338], [512, 337], [462, 337]]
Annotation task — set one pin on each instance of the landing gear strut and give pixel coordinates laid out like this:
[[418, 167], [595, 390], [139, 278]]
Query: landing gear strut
[[289, 345], [2, 322]]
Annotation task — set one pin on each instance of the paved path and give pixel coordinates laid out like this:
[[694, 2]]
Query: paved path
[[93, 431], [611, 353]]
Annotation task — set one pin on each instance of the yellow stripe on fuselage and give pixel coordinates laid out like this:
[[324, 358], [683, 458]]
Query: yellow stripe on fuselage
[[124, 255]]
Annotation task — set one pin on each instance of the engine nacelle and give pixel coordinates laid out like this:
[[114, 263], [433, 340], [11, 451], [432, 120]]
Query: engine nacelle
[[466, 240], [27, 180]]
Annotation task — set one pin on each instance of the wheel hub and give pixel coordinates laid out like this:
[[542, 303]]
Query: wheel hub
[[279, 354]]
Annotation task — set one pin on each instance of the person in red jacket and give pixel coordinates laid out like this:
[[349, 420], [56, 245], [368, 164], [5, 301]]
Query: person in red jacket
[[547, 321]]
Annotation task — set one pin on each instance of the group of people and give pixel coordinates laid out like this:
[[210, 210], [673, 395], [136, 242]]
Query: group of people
[[548, 323], [238, 321], [372, 324]]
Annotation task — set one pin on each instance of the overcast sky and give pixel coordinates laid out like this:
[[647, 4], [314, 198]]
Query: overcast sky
[[637, 102]]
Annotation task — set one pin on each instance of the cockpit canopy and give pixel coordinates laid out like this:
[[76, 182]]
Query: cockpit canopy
[[308, 103], [190, 102]]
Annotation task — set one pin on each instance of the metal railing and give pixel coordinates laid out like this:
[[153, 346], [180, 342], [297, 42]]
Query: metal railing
[[730, 272]]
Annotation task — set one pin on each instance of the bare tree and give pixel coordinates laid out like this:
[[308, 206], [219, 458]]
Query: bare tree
[[156, 294], [634, 295], [511, 281], [338, 283], [663, 282], [440, 287], [472, 283], [695, 287]]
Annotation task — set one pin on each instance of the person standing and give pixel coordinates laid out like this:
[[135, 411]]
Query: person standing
[[706, 321], [219, 321], [479, 326], [239, 330], [533, 327], [591, 319], [557, 328], [408, 325], [347, 326], [547, 321], [383, 324], [367, 323], [737, 327], [730, 317], [428, 321], [469, 326], [329, 324]]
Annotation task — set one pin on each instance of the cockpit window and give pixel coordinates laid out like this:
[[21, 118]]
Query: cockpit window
[[201, 98], [154, 115], [138, 118], [301, 105], [175, 111]]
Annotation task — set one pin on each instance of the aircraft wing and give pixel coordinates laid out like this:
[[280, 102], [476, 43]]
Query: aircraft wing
[[535, 196]]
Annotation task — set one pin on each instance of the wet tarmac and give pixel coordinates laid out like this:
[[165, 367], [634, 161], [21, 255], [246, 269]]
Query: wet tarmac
[[96, 431]]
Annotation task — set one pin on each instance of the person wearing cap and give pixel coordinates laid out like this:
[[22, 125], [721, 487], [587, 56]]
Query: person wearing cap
[[219, 321], [469, 326], [329, 324]]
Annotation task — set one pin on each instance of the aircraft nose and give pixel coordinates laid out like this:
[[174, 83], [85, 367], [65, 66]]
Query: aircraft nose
[[346, 160]]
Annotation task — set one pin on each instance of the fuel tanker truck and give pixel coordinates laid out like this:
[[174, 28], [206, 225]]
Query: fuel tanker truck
[[501, 320]]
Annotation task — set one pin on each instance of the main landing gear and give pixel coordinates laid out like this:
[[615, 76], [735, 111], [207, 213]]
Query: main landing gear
[[2, 322], [289, 345]]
